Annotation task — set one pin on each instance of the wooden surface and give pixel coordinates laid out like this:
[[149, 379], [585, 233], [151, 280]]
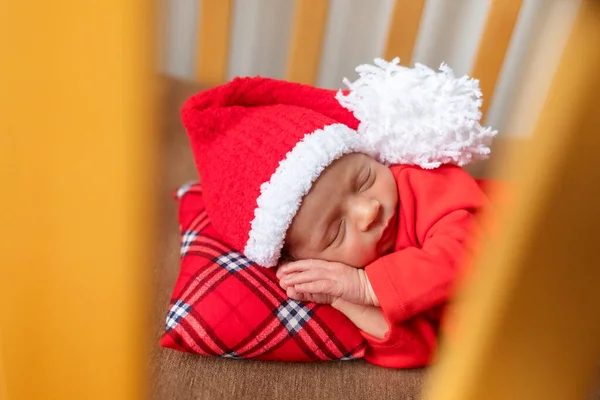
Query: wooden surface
[[214, 31], [404, 29], [493, 45], [530, 323], [308, 30], [76, 153]]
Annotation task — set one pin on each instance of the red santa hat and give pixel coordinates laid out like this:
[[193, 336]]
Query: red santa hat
[[259, 144]]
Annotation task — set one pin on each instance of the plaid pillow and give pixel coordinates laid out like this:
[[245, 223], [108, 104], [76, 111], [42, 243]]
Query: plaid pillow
[[224, 305]]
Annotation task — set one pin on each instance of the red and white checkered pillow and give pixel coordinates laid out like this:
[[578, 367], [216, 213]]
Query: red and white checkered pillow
[[224, 305]]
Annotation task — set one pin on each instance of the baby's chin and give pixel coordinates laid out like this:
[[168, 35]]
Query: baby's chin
[[363, 262], [376, 254], [387, 249]]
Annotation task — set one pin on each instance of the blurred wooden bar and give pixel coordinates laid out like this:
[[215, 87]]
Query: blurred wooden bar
[[529, 324], [497, 34], [404, 29], [77, 145], [214, 31], [308, 30]]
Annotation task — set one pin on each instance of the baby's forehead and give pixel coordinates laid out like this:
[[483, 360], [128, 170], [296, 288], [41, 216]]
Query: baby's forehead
[[349, 162], [346, 166], [340, 175]]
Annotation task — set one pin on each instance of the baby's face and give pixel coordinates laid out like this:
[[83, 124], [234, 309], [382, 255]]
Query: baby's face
[[348, 216]]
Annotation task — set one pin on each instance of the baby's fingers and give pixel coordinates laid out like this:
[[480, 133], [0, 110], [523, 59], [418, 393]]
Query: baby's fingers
[[283, 279], [293, 294], [302, 277], [320, 286], [297, 266]]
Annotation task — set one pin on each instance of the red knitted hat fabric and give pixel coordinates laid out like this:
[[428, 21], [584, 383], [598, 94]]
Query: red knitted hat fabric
[[259, 144]]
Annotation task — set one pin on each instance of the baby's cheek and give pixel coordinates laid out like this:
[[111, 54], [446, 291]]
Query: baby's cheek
[[360, 254], [370, 256]]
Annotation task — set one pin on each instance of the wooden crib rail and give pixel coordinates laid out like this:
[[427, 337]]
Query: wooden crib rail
[[310, 18], [530, 324], [308, 31], [500, 23], [77, 166], [213, 36], [403, 30]]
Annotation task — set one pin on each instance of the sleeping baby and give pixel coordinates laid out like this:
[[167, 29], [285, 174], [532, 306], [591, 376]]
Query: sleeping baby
[[357, 197]]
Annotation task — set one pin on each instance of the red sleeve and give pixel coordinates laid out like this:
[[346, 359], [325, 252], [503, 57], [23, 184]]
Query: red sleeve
[[437, 213], [412, 344]]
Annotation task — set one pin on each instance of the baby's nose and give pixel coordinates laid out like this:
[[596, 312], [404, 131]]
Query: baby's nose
[[366, 212]]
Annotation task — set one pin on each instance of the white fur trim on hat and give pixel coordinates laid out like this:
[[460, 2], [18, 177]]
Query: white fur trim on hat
[[282, 195], [418, 116]]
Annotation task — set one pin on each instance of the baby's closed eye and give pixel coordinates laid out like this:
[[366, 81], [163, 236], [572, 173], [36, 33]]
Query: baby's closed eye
[[338, 233], [364, 179]]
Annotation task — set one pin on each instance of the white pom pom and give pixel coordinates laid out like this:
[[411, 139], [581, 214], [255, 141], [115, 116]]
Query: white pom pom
[[418, 116]]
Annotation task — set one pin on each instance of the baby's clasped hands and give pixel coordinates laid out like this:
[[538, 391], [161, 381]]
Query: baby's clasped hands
[[323, 282]]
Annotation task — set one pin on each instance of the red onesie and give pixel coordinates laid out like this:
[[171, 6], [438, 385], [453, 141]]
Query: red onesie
[[436, 221]]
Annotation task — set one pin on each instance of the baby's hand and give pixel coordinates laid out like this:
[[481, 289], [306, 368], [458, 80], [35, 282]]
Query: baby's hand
[[324, 281], [311, 297]]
